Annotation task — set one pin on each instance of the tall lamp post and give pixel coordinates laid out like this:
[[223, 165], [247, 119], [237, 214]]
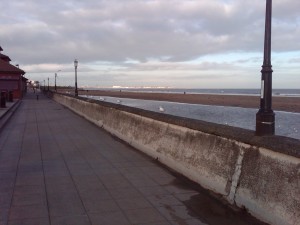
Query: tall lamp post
[[265, 117], [55, 79], [48, 83], [75, 65]]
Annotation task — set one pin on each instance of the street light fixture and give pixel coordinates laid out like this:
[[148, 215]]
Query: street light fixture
[[48, 83], [55, 79], [265, 117], [75, 65]]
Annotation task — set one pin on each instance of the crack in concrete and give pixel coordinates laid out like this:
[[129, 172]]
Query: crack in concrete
[[236, 176]]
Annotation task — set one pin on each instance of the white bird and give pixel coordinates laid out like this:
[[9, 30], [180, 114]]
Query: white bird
[[102, 99], [161, 109], [119, 101]]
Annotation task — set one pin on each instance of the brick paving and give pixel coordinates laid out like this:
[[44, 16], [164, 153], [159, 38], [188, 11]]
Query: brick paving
[[57, 168]]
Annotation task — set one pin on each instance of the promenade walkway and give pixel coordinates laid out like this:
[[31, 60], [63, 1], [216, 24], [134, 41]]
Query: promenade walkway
[[57, 168]]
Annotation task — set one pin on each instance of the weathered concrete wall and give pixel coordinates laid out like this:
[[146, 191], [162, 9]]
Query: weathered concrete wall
[[260, 174], [270, 181]]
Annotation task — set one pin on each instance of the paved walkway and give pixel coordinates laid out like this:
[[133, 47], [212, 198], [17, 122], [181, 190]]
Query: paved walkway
[[57, 168]]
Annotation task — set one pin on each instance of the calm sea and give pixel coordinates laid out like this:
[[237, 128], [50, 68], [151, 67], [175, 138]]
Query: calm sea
[[276, 92]]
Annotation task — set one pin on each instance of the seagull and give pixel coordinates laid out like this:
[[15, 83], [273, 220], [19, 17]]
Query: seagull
[[161, 109], [119, 101], [102, 99]]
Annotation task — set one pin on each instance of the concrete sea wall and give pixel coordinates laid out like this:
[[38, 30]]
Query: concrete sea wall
[[260, 174]]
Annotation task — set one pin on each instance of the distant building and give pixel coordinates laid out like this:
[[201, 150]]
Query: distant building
[[11, 77]]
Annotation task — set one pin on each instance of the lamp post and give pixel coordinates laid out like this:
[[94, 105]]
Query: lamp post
[[48, 83], [55, 79], [265, 117], [44, 85], [75, 65]]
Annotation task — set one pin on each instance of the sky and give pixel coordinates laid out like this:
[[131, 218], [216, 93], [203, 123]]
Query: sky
[[151, 43]]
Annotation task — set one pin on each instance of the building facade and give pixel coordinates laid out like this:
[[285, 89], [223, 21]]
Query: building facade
[[11, 77]]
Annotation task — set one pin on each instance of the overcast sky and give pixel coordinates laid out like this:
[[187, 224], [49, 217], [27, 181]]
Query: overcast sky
[[174, 43]]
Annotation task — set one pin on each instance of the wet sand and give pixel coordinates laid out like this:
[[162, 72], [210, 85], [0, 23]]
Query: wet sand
[[289, 104]]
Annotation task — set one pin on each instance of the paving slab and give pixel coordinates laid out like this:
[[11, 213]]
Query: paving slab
[[57, 168]]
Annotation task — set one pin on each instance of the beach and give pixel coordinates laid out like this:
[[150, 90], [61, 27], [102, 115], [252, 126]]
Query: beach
[[288, 104]]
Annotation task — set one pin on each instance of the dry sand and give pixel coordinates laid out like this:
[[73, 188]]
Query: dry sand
[[290, 104]]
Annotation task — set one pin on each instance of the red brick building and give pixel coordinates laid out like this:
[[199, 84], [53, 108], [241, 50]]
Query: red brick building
[[11, 77]]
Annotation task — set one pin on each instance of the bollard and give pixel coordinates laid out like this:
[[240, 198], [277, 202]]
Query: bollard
[[10, 96], [3, 99]]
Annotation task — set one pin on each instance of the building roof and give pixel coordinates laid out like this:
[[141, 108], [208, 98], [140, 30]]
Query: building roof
[[4, 57], [6, 67]]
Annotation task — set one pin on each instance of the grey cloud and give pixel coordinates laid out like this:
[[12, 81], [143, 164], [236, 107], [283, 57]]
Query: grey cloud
[[250, 60], [174, 66], [114, 30], [295, 60]]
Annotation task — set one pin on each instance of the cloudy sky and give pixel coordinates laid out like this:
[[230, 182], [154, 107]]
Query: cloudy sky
[[174, 43]]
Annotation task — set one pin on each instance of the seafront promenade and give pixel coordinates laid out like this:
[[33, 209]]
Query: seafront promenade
[[57, 168]]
